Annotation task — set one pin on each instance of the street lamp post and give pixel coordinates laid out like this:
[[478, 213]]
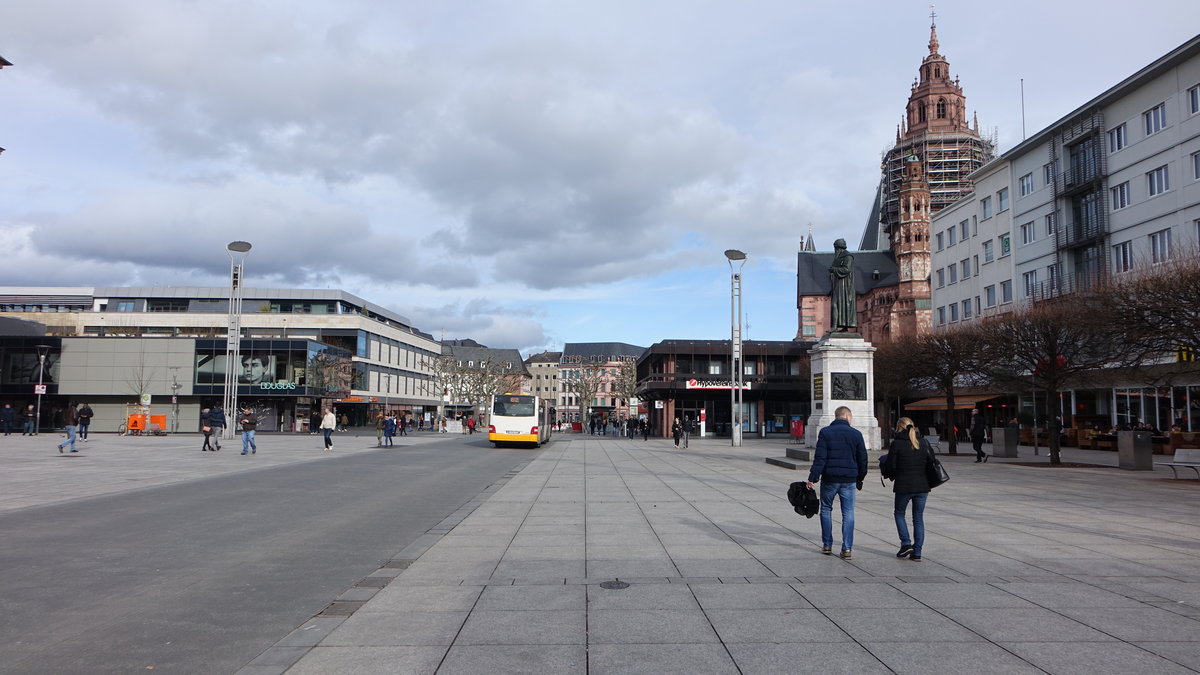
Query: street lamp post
[[42, 351], [735, 347], [237, 250]]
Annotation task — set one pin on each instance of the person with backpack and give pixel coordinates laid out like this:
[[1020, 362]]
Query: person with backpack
[[907, 462]]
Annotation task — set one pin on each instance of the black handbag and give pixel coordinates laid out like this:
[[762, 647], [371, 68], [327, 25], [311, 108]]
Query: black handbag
[[935, 473]]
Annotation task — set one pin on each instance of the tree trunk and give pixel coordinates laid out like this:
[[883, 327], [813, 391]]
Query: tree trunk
[[950, 430], [1052, 435]]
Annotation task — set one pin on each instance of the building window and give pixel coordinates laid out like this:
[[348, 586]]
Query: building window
[[985, 207], [941, 316], [941, 109], [1030, 281], [1116, 138], [1005, 292], [965, 268], [939, 238], [1002, 200], [1120, 196], [964, 229], [1123, 257], [1158, 181], [941, 278], [1193, 95], [1005, 245], [953, 274], [1160, 246], [954, 312], [988, 255], [1051, 224], [1048, 173], [975, 260], [1025, 184], [1028, 235], [1155, 118], [989, 295], [1052, 276], [1196, 165], [951, 237], [966, 312]]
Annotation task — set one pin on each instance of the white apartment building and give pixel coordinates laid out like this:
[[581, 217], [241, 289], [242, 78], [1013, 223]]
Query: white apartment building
[[1111, 187], [972, 252]]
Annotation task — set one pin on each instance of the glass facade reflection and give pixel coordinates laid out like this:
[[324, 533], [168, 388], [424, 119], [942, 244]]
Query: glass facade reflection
[[271, 367]]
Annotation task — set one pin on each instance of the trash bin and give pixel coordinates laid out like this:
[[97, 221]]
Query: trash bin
[[1134, 451], [1004, 441]]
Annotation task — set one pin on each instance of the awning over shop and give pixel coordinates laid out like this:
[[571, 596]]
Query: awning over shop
[[963, 402]]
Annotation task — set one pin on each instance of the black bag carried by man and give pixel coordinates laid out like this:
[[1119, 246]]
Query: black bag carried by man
[[804, 499]]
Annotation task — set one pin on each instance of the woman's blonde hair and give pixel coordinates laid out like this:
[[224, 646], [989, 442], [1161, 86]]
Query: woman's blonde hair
[[906, 424]]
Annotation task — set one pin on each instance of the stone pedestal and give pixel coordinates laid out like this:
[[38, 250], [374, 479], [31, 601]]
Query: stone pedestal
[[843, 374], [1004, 441], [1134, 451]]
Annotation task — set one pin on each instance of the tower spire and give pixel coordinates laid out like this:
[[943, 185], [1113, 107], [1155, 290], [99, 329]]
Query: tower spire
[[933, 41]]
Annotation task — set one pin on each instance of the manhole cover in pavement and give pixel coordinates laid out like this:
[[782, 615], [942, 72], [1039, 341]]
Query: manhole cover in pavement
[[613, 585]]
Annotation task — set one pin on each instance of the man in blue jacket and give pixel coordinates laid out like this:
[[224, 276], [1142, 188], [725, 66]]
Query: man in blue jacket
[[840, 466]]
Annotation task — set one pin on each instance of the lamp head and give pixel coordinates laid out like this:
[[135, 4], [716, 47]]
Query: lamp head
[[734, 254], [239, 246]]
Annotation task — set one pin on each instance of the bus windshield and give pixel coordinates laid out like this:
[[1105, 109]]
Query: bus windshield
[[515, 406]]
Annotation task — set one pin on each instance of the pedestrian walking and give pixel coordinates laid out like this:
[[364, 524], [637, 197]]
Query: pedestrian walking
[[687, 430], [71, 423], [249, 424], [217, 421], [840, 465], [645, 430], [677, 431], [207, 429], [29, 417], [908, 457], [471, 425], [379, 424], [328, 425], [402, 424], [8, 418], [85, 420], [314, 422], [389, 430], [978, 433]]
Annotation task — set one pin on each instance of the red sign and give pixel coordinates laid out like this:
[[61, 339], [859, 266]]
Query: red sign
[[797, 430]]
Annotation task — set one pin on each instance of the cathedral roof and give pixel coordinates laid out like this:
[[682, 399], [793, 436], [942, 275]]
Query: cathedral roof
[[812, 271]]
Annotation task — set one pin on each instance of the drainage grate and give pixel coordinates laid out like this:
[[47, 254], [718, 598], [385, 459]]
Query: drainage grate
[[614, 585], [397, 564], [342, 607], [373, 582]]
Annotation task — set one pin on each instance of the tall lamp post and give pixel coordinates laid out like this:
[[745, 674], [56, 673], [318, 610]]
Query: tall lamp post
[[237, 250], [735, 348], [42, 351]]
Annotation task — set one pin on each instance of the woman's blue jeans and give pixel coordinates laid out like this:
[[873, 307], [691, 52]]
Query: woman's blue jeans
[[918, 516]]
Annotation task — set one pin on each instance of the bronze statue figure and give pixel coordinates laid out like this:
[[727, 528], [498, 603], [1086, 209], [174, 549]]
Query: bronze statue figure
[[843, 298]]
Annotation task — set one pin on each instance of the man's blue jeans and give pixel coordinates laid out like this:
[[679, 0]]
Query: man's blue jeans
[[845, 493], [918, 509], [248, 441], [70, 439], [29, 427]]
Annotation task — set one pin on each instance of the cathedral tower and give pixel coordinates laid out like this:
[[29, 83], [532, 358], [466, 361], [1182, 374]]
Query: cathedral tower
[[936, 128]]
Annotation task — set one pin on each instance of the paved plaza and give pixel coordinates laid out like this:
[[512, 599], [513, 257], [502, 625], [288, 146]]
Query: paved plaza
[[1026, 569]]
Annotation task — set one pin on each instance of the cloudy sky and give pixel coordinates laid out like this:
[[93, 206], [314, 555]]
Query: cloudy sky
[[525, 172]]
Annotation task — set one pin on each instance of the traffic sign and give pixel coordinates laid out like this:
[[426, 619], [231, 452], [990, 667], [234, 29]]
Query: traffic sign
[[39, 389]]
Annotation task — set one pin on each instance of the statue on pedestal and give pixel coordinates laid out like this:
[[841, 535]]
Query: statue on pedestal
[[843, 298]]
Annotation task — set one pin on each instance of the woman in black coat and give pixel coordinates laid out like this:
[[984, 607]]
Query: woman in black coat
[[909, 455]]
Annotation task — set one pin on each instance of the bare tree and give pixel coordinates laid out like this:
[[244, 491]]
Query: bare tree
[[893, 379], [624, 381], [945, 360], [585, 383], [1159, 303], [1051, 344]]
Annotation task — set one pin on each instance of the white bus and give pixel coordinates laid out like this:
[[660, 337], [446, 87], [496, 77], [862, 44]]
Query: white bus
[[517, 418]]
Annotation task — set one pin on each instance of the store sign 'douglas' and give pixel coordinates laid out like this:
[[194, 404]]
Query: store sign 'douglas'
[[714, 384]]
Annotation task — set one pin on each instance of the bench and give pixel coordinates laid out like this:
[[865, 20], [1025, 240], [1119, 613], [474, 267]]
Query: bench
[[1189, 457]]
